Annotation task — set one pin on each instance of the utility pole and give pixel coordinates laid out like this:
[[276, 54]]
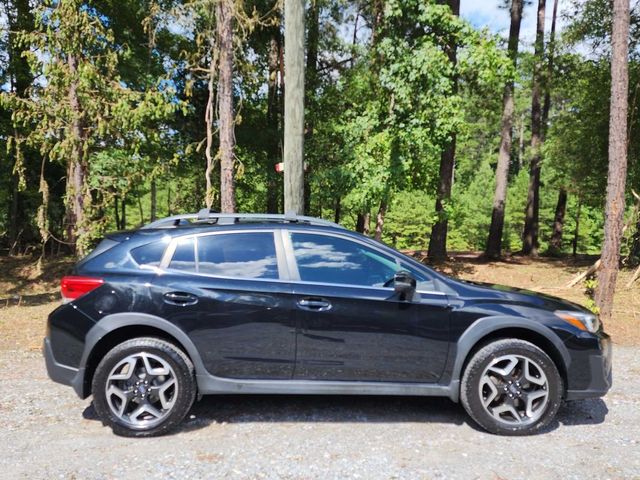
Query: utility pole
[[294, 106]]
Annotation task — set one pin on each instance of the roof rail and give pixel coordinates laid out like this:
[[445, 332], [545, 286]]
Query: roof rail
[[207, 216]]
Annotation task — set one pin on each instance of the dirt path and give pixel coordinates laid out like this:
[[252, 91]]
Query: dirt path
[[49, 433]]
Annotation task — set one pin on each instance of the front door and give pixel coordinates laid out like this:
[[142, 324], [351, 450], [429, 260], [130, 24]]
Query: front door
[[352, 325]]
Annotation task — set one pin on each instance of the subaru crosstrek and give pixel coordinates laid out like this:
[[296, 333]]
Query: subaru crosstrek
[[209, 303]]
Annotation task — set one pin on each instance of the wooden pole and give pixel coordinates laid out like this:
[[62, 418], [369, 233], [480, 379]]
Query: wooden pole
[[294, 106]]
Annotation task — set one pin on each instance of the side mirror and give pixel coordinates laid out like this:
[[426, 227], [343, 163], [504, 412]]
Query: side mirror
[[404, 284]]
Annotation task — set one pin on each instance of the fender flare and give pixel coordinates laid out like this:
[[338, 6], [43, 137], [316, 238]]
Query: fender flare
[[487, 325], [115, 321]]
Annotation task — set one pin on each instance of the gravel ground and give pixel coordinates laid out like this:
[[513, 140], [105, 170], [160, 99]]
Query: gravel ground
[[48, 433]]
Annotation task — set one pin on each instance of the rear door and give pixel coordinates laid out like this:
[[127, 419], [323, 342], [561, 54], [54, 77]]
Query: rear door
[[353, 327], [228, 291]]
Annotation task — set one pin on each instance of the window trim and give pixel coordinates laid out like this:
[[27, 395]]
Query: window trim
[[291, 259], [283, 273]]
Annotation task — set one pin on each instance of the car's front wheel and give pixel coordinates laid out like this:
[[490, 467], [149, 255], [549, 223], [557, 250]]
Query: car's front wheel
[[143, 387], [511, 387]]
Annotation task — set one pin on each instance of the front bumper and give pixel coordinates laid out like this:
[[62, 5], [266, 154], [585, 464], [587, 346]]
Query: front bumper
[[600, 369], [63, 374]]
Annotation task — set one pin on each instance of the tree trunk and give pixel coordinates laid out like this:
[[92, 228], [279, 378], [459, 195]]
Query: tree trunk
[[273, 120], [154, 200], [13, 214], [555, 245], [76, 194], [494, 242], [380, 220], [634, 251], [311, 73], [123, 217], [438, 239], [521, 143], [576, 230], [378, 16], [337, 210], [224, 26], [140, 209], [117, 214], [168, 199], [530, 235], [551, 49], [354, 40], [294, 106], [209, 128], [362, 223], [617, 175]]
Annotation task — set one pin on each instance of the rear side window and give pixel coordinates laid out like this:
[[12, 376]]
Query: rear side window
[[150, 254], [184, 256], [238, 255]]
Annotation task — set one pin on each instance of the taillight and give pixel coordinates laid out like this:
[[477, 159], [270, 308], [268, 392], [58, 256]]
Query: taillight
[[73, 286]]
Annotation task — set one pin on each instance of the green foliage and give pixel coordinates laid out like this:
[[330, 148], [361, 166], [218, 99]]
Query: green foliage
[[82, 106], [590, 285], [380, 108]]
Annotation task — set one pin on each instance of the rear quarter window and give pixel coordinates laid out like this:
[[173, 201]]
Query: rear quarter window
[[150, 254]]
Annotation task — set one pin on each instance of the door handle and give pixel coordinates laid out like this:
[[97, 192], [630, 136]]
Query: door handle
[[181, 299], [314, 304]]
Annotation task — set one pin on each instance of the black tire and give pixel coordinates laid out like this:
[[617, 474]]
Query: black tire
[[182, 397], [472, 397]]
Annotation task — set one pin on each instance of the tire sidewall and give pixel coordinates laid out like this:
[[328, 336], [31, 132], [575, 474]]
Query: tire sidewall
[[184, 376], [470, 395]]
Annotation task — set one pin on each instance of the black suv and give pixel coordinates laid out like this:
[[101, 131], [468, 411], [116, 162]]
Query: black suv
[[216, 304]]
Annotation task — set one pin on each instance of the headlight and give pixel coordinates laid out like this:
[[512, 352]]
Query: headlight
[[584, 321]]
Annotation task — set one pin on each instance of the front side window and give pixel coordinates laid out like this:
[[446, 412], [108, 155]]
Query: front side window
[[329, 259], [238, 255]]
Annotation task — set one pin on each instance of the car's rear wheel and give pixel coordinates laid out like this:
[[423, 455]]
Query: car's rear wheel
[[511, 387], [143, 387]]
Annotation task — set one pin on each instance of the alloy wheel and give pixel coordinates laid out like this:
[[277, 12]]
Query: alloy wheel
[[514, 390], [141, 390]]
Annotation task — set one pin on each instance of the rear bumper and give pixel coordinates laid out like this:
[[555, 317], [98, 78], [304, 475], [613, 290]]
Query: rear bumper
[[600, 368], [63, 374]]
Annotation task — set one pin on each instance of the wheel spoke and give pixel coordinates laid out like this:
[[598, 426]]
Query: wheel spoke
[[154, 372], [538, 380], [161, 391], [506, 408], [125, 369], [133, 416], [505, 371], [488, 382], [532, 397], [124, 396]]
